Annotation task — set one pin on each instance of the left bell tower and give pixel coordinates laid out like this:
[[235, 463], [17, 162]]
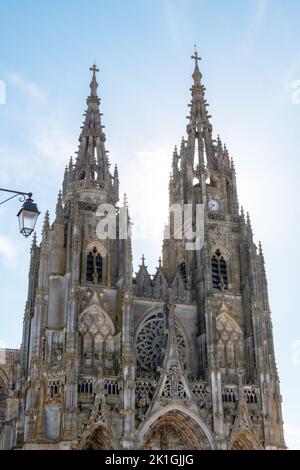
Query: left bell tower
[[73, 318]]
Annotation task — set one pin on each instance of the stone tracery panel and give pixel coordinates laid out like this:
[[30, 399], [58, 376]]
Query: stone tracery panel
[[229, 343], [97, 337]]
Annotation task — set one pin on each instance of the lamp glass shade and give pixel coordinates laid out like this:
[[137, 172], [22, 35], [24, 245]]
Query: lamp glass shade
[[28, 216]]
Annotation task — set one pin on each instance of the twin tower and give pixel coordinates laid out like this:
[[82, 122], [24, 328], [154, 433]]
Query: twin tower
[[183, 359]]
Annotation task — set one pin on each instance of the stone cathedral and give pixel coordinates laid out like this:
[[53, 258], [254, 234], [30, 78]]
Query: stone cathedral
[[182, 359]]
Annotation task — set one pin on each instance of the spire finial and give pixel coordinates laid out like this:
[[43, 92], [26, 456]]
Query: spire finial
[[94, 69], [94, 84], [196, 56], [143, 260], [196, 74]]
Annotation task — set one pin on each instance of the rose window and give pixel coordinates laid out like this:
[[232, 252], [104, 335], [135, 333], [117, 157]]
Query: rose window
[[151, 340]]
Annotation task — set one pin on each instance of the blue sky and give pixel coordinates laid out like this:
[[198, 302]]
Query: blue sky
[[251, 69]]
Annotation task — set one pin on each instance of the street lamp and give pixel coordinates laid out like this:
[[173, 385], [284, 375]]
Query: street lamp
[[28, 214]]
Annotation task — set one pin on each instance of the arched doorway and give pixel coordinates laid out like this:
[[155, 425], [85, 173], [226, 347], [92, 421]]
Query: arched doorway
[[99, 439], [175, 431], [245, 441]]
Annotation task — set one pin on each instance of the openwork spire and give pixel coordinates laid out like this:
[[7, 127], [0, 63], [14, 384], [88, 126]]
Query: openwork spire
[[91, 169], [199, 129], [92, 123]]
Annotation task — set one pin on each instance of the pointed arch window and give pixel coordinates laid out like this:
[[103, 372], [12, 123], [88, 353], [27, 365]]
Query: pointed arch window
[[182, 270], [219, 271], [94, 266]]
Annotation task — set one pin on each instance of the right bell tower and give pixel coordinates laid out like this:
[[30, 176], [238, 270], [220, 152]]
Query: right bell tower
[[227, 280]]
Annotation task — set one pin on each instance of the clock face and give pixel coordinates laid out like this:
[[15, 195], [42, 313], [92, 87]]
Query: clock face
[[213, 205]]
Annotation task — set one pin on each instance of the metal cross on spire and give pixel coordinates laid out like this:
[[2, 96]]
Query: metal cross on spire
[[196, 74], [196, 56], [94, 69], [94, 84]]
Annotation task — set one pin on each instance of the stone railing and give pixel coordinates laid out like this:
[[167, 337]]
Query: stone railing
[[200, 391], [219, 217]]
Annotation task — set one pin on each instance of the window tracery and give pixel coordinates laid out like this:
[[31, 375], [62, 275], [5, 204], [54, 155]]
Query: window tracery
[[229, 395], [54, 389], [250, 396], [94, 266], [219, 271]]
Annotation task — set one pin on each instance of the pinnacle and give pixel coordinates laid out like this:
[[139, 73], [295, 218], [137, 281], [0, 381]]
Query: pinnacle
[[182, 145], [46, 224], [260, 250], [59, 203], [242, 214], [226, 155], [34, 241], [249, 227], [116, 173], [125, 200], [232, 165]]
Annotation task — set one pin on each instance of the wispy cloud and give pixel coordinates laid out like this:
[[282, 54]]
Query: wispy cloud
[[261, 11], [176, 20], [27, 87], [7, 250], [55, 144], [292, 436], [171, 21], [291, 75], [258, 17]]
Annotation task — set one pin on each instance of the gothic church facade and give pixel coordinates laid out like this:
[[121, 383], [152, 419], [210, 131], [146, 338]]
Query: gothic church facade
[[183, 359]]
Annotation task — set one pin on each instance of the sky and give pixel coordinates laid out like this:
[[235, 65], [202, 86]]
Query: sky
[[251, 69]]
